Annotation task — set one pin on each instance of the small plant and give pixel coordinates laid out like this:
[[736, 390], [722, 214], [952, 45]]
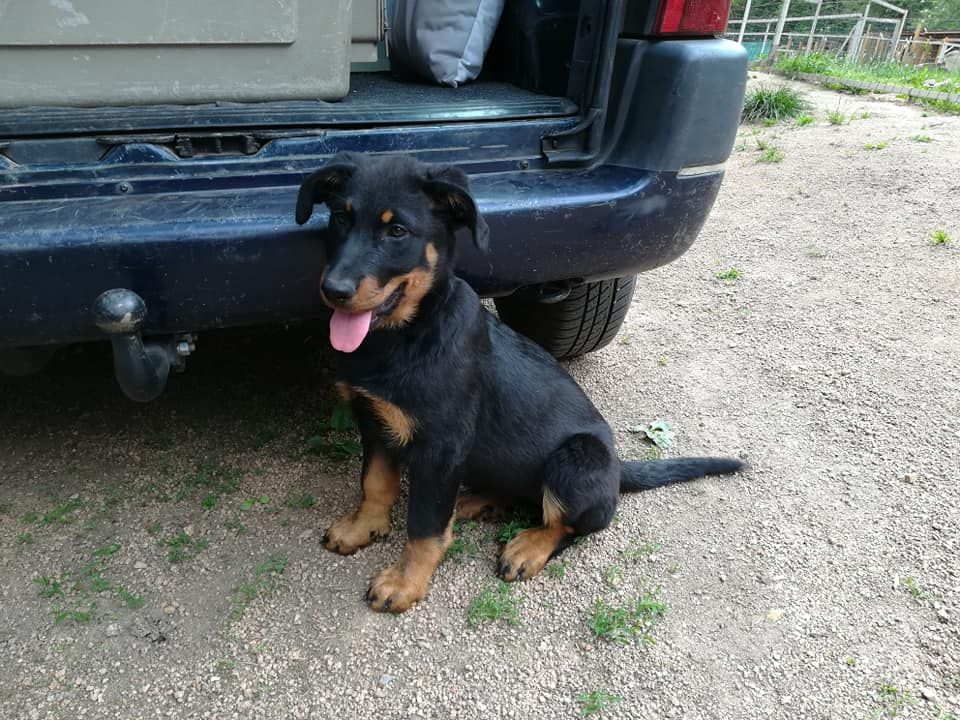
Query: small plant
[[304, 501], [812, 251], [612, 576], [658, 432], [767, 104], [835, 117], [556, 570], [913, 587], [850, 661], [25, 539], [495, 603], [663, 361], [62, 513], [626, 339], [129, 600], [250, 503], [596, 701], [215, 479], [641, 551], [513, 527], [460, 549], [940, 237], [226, 665], [184, 547], [805, 120], [266, 579], [921, 138], [876, 146], [892, 700], [236, 525], [79, 615], [49, 587], [621, 625], [729, 275]]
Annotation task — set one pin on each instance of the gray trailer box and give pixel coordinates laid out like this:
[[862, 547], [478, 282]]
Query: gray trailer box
[[122, 52]]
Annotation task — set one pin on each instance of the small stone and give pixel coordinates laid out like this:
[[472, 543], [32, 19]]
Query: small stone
[[139, 565], [385, 680], [774, 615], [943, 616], [910, 478], [188, 530], [305, 535], [112, 630], [928, 694], [169, 610]]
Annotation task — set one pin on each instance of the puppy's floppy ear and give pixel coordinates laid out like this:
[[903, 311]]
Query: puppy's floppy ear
[[319, 186], [449, 188]]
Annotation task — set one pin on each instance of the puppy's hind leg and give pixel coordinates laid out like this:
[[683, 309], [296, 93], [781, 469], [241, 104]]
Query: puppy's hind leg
[[581, 480]]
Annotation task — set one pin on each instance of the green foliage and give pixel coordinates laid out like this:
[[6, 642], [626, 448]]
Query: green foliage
[[621, 625], [805, 120], [596, 701], [183, 547], [940, 237], [768, 104], [497, 602], [888, 73], [266, 579], [729, 274]]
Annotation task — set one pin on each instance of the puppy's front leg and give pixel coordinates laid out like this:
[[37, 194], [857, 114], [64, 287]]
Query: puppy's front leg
[[433, 494]]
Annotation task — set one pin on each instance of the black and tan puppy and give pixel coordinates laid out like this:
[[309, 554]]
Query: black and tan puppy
[[445, 392]]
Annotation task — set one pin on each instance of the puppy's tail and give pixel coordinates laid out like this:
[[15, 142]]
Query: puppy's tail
[[638, 475]]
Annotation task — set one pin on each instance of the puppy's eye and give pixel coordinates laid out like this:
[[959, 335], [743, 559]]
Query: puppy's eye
[[340, 218], [397, 231]]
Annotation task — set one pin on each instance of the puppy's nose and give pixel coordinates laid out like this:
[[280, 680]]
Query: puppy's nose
[[338, 289]]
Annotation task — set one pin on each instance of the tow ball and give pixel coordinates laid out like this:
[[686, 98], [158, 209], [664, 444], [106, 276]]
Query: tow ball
[[141, 368]]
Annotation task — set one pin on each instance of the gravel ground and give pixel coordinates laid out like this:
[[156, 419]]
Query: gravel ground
[[165, 560]]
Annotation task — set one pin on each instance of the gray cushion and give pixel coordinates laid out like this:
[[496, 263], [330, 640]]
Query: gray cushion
[[443, 40]]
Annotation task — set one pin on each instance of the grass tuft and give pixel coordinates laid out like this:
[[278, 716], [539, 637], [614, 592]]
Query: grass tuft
[[495, 603], [622, 625], [729, 274], [596, 701], [765, 105], [940, 237]]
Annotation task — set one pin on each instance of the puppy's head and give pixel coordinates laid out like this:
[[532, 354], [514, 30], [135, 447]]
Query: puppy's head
[[390, 237]]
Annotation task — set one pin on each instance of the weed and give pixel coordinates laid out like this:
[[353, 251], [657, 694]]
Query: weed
[[80, 615], [460, 549], [876, 146], [914, 588], [891, 73], [266, 579], [183, 547], [234, 523], [625, 339], [596, 701], [835, 117], [612, 576], [495, 603], [921, 138], [812, 251], [556, 570], [513, 527], [304, 501], [621, 625], [49, 587], [333, 449], [25, 539], [850, 661], [30, 518], [891, 701], [62, 512], [940, 237], [226, 665], [130, 601], [805, 120], [767, 104], [944, 106], [216, 479], [729, 275], [641, 551], [154, 528], [771, 154], [250, 503]]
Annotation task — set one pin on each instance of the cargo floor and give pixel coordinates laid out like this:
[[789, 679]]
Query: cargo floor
[[375, 99]]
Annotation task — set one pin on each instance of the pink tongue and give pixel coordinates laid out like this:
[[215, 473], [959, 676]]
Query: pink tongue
[[347, 330]]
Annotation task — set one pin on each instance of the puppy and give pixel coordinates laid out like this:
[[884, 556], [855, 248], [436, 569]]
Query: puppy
[[446, 393]]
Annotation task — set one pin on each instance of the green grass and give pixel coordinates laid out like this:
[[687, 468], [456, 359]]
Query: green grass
[[184, 547], [461, 549], [62, 513], [889, 73], [49, 587], [640, 551], [622, 625], [805, 120], [495, 603], [266, 579], [612, 576], [729, 275], [772, 105], [876, 146], [835, 117], [769, 153], [891, 700], [921, 138], [944, 106], [940, 237], [596, 701], [914, 588], [850, 661], [517, 523], [304, 501], [214, 480], [556, 570], [25, 539]]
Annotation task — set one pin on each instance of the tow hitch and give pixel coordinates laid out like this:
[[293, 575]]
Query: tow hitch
[[141, 368]]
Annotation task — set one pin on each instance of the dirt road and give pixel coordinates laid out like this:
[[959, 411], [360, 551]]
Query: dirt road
[[164, 561]]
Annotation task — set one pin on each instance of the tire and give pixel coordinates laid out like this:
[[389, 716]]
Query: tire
[[586, 320]]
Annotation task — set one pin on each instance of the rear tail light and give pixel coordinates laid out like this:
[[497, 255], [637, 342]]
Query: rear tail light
[[691, 17]]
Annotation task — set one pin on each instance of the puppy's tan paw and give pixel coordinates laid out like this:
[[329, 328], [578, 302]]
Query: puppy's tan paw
[[395, 591], [527, 553], [354, 531]]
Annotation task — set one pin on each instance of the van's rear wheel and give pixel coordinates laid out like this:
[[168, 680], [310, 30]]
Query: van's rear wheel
[[584, 321]]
